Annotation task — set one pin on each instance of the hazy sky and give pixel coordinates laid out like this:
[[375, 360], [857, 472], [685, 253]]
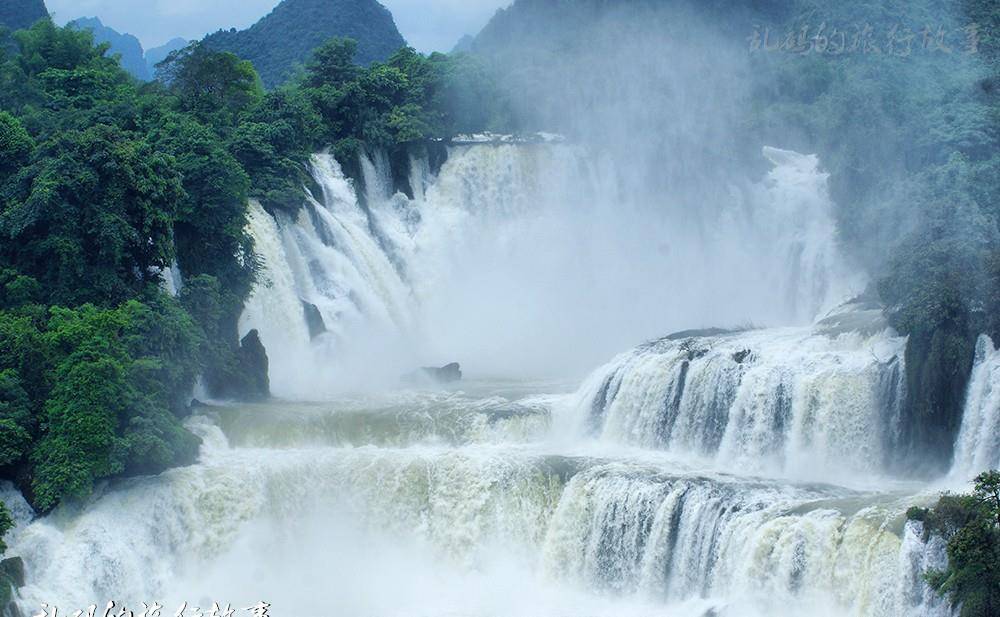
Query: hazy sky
[[428, 25]]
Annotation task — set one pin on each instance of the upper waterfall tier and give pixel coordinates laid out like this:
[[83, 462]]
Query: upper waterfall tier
[[509, 252]]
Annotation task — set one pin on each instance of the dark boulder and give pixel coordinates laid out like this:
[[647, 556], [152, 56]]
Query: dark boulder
[[742, 356], [314, 319], [12, 569], [450, 373], [254, 367], [11, 579]]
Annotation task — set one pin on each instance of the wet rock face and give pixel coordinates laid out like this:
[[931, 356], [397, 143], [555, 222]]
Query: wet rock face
[[254, 366], [314, 319], [11, 579], [12, 570]]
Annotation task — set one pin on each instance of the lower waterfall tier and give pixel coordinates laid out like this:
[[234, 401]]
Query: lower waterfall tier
[[476, 507]]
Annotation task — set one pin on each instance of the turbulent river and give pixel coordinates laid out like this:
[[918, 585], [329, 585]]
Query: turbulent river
[[742, 472]]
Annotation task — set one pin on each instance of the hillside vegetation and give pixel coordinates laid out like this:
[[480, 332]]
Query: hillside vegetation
[[18, 14], [282, 42]]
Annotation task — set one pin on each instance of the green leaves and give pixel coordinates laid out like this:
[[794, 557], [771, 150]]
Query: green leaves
[[332, 64], [97, 217], [16, 146], [82, 415], [6, 524], [213, 86], [16, 420], [971, 526], [119, 377]]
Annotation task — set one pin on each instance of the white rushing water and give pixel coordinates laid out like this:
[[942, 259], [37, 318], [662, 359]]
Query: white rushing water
[[725, 473], [504, 256], [792, 401], [978, 447], [469, 503]]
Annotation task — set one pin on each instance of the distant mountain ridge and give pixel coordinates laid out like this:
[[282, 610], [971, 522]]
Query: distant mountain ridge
[[125, 45], [287, 36], [20, 14], [157, 55], [140, 64]]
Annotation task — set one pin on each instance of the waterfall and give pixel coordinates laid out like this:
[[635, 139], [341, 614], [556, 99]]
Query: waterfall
[[335, 522], [329, 257], [172, 281], [798, 401], [504, 256], [738, 472], [978, 446]]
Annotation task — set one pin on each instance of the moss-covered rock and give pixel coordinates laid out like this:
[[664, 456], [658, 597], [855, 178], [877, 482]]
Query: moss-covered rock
[[11, 579], [254, 367]]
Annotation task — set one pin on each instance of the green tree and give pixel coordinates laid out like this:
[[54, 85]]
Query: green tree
[[988, 493], [213, 86], [81, 444], [16, 146], [971, 526], [17, 423], [6, 524], [210, 229], [94, 220], [332, 64], [273, 143]]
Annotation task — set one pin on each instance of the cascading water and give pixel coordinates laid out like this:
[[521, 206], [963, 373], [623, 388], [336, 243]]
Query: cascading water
[[510, 251], [787, 401], [444, 503], [978, 447], [686, 478]]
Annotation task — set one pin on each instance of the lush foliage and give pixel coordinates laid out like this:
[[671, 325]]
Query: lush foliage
[[333, 102], [971, 526], [104, 184]]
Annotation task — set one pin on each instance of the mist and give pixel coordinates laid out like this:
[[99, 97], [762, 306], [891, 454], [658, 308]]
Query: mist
[[651, 215]]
